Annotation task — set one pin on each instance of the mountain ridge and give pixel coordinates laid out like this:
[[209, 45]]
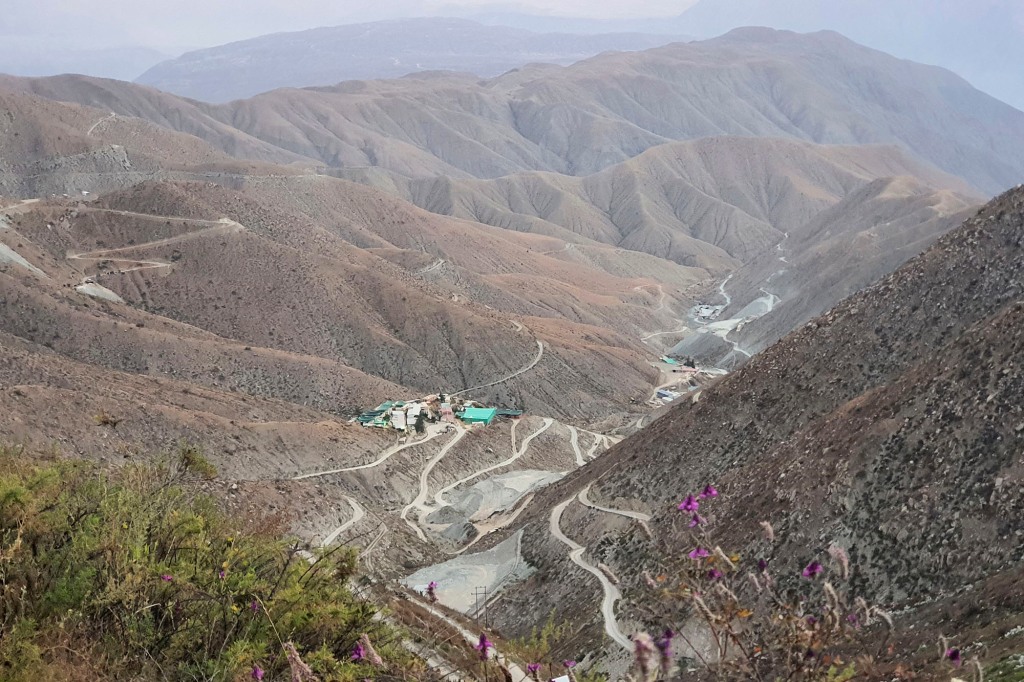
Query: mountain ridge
[[385, 49]]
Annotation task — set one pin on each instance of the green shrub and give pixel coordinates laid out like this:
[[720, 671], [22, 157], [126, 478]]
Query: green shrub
[[134, 573]]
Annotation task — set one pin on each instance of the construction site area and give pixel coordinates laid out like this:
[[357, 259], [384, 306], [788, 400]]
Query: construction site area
[[414, 415]]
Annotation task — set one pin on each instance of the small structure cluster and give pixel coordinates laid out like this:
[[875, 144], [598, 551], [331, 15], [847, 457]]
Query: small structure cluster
[[414, 415]]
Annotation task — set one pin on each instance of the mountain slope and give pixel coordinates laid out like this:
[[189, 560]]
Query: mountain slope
[[891, 426], [693, 202], [603, 111], [386, 49]]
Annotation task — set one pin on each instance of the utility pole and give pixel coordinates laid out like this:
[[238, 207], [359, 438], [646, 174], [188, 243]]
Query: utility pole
[[480, 608]]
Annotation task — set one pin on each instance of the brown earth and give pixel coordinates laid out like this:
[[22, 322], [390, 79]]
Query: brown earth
[[891, 426]]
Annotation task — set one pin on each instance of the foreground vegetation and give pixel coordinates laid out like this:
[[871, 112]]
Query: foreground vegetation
[[135, 574]]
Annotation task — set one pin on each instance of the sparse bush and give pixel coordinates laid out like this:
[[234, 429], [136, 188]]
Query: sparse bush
[[104, 418]]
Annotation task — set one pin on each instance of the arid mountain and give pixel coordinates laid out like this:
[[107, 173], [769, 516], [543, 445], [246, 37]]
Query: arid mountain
[[385, 49], [345, 274], [603, 111], [211, 277], [705, 202], [817, 263], [981, 42], [891, 426]]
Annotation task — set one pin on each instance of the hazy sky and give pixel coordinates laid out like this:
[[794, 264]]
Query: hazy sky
[[194, 23]]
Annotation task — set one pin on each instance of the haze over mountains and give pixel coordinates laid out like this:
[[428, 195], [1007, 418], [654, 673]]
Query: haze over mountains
[[253, 274], [386, 49], [981, 41]]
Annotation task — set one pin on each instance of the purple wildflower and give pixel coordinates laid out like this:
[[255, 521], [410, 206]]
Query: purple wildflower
[[483, 645], [664, 644], [167, 578], [569, 664], [532, 668], [697, 520], [714, 574], [812, 621], [221, 574], [255, 606], [954, 656], [853, 620], [698, 553], [432, 591], [709, 491], [812, 570], [257, 673], [762, 565], [358, 653], [690, 504]]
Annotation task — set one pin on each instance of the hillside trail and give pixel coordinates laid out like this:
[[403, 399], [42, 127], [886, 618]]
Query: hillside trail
[[662, 306], [574, 441], [224, 225], [419, 502], [111, 117], [357, 515], [433, 267], [611, 592], [524, 370], [16, 209], [432, 433], [639, 517], [592, 452], [661, 295]]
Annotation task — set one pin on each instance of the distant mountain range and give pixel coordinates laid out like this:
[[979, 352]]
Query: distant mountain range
[[386, 49], [981, 41]]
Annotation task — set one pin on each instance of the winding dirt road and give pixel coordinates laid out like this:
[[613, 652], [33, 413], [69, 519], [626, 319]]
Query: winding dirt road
[[357, 515], [639, 517], [224, 225], [439, 497], [421, 497], [385, 456], [105, 118], [524, 370], [574, 441], [611, 592]]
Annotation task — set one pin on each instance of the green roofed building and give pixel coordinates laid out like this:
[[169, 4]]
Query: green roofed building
[[479, 415]]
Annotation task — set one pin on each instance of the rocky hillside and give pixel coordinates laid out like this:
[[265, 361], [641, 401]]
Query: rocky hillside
[[891, 426], [384, 49]]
